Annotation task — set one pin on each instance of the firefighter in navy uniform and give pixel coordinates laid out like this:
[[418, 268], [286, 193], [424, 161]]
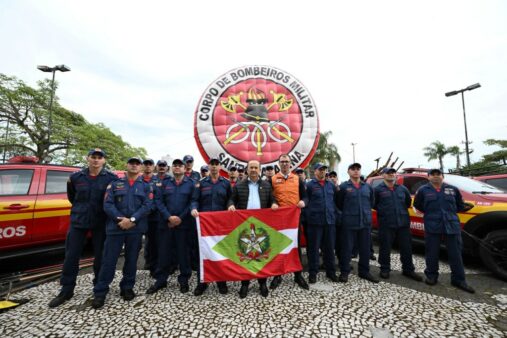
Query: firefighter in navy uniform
[[150, 243], [355, 200], [188, 160], [392, 202], [440, 203], [176, 194], [85, 191], [321, 219], [212, 194], [127, 204]]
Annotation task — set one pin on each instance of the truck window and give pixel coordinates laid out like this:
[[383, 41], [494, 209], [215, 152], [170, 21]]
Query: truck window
[[56, 181], [15, 181], [376, 182], [414, 182]]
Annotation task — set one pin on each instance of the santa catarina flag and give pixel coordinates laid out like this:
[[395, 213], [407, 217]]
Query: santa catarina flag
[[248, 244]]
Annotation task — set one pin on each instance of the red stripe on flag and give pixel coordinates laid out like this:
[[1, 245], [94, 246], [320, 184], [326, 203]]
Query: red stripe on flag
[[221, 223], [227, 270]]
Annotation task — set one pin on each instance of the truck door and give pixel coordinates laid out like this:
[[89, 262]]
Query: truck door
[[18, 192]]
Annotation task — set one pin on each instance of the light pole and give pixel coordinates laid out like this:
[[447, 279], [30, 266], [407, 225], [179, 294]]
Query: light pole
[[462, 91], [353, 152], [46, 69]]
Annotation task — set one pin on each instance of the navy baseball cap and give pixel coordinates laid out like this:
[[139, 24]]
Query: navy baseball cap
[[214, 160], [233, 168], [333, 173], [178, 161], [149, 161], [388, 170], [354, 165], [204, 168], [135, 159], [270, 167], [162, 162], [319, 165], [300, 170], [435, 171], [188, 158], [97, 151]]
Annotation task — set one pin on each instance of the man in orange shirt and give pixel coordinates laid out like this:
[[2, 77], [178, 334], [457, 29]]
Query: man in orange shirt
[[288, 190]]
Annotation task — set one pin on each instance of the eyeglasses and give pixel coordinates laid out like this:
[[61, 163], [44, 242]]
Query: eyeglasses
[[284, 162]]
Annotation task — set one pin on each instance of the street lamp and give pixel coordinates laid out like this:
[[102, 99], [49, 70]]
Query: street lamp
[[353, 152], [462, 91], [46, 69]]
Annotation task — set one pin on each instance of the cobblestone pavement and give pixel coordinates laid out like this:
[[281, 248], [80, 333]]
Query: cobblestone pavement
[[399, 308]]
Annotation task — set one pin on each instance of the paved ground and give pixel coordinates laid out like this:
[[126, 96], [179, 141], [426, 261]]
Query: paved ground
[[399, 307]]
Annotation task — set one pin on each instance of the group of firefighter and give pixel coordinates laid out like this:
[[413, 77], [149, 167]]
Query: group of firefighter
[[162, 203]]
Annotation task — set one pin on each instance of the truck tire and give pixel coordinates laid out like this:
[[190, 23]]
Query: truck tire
[[493, 252]]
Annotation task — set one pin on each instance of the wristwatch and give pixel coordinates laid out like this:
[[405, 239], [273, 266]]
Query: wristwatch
[[133, 219]]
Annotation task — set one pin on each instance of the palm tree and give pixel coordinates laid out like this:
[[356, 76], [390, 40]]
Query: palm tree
[[326, 152], [436, 150], [456, 151]]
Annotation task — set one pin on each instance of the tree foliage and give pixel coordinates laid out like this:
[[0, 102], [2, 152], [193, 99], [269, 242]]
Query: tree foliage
[[24, 118], [436, 151], [499, 155], [326, 152]]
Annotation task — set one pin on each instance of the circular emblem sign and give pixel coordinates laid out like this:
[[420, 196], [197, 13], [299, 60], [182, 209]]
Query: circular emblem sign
[[256, 113]]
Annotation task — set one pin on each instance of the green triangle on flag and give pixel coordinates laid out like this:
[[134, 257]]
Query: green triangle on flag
[[252, 245]]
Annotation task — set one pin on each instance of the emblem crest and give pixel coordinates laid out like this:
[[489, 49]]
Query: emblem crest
[[256, 112]]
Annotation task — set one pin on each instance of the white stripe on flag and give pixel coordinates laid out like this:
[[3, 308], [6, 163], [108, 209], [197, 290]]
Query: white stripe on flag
[[207, 243]]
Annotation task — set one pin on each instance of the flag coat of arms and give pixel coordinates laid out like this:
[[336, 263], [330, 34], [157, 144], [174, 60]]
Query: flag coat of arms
[[248, 244]]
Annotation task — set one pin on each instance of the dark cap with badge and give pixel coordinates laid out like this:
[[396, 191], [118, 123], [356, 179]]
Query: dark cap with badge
[[333, 174], [97, 151], [354, 166], [300, 170], [178, 161], [148, 161], [318, 166], [435, 171], [388, 170], [214, 161], [270, 167], [188, 158], [233, 168], [162, 163], [204, 168], [134, 160]]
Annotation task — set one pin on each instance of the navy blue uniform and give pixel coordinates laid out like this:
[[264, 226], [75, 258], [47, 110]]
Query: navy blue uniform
[[175, 200], [195, 175], [150, 243], [394, 222], [321, 228], [355, 204], [86, 194], [440, 208], [124, 200]]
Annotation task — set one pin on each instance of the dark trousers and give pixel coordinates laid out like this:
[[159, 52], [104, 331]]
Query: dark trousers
[[363, 239], [173, 242], [453, 245], [74, 244], [151, 246], [112, 250], [387, 236], [324, 234], [355, 248]]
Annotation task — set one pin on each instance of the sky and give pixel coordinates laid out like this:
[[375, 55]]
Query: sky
[[377, 70]]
